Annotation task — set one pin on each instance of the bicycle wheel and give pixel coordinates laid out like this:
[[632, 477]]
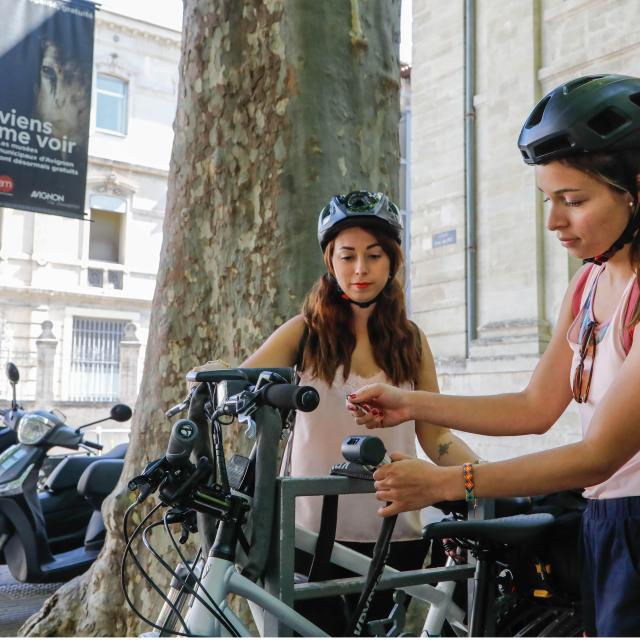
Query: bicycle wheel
[[522, 614], [535, 620], [568, 624]]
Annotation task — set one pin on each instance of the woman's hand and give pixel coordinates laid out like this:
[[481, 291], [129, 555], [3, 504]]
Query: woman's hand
[[379, 405], [409, 484], [210, 365]]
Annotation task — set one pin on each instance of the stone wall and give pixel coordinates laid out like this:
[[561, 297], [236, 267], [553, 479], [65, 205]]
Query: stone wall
[[523, 49]]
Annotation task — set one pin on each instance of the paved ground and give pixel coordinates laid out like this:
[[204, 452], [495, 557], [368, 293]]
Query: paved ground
[[18, 601]]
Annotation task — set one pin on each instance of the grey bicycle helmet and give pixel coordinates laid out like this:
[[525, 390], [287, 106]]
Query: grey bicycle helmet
[[359, 208], [586, 115]]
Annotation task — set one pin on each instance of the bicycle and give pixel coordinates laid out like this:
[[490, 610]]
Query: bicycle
[[247, 487], [519, 573]]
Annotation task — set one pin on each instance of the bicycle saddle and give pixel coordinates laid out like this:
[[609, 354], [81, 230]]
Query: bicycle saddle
[[510, 530], [503, 506]]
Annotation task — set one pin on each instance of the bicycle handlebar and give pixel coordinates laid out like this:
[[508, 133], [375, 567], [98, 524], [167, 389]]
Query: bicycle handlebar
[[251, 375], [291, 396], [181, 441]]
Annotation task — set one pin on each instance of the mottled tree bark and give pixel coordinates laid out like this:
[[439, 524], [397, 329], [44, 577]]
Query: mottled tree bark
[[282, 103]]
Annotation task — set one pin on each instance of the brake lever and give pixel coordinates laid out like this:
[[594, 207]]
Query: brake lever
[[243, 405], [181, 406]]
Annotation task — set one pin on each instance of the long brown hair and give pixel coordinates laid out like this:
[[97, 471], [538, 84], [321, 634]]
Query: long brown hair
[[619, 171], [395, 340]]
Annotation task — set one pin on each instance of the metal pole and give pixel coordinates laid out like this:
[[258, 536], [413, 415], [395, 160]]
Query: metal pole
[[470, 172]]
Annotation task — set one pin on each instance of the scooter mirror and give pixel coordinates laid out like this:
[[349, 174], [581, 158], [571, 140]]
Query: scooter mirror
[[120, 412], [12, 372]]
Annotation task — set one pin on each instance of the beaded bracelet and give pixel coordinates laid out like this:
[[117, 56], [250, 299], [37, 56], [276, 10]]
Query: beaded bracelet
[[469, 496]]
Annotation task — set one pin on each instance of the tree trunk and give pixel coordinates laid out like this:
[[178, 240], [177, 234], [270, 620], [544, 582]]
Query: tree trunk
[[281, 105]]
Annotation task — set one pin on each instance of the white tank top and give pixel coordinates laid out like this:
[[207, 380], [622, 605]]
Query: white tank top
[[610, 355], [316, 448]]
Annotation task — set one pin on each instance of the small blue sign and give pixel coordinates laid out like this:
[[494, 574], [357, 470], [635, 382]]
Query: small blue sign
[[443, 238]]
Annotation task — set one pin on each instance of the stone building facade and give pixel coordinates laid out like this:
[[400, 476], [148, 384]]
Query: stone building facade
[[75, 296], [523, 48]]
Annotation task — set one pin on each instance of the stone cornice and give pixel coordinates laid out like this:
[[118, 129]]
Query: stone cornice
[[122, 301], [108, 163], [138, 28]]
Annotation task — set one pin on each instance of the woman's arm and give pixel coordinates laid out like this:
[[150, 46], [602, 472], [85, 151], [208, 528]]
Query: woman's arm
[[442, 446], [281, 348], [533, 410], [613, 438]]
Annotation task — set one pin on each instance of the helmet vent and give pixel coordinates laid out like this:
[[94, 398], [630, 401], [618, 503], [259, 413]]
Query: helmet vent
[[635, 98], [607, 122], [578, 82], [536, 116], [558, 143]]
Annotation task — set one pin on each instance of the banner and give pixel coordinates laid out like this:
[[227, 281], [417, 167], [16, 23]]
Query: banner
[[46, 61]]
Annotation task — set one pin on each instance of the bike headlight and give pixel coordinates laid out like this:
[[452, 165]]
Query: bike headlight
[[33, 427]]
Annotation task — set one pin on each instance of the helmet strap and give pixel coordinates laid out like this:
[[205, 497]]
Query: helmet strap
[[362, 305], [625, 238]]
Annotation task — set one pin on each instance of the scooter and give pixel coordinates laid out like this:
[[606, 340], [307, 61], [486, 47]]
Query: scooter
[[10, 417], [44, 536], [65, 511]]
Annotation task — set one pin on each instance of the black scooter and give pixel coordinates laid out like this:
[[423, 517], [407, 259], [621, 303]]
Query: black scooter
[[44, 536]]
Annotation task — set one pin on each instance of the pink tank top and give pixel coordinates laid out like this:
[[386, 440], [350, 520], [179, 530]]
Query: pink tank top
[[610, 355], [316, 448]]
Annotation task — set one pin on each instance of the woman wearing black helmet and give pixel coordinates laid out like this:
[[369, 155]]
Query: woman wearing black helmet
[[354, 328], [584, 140]]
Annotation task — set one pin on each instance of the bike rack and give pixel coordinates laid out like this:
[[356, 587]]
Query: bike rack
[[279, 576]]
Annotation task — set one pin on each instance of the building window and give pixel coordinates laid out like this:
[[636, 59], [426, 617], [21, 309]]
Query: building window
[[105, 235], [95, 359], [111, 107]]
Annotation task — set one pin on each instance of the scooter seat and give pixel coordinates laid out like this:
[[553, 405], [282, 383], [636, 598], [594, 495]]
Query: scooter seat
[[68, 472], [99, 480]]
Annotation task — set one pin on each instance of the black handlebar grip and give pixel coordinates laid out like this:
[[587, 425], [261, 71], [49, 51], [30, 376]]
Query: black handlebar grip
[[367, 450], [93, 445], [181, 441], [291, 396]]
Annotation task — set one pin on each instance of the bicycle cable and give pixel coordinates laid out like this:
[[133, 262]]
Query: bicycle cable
[[214, 609], [149, 546], [129, 541], [218, 613], [219, 616]]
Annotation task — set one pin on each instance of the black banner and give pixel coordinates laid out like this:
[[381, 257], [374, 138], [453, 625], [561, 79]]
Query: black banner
[[46, 60]]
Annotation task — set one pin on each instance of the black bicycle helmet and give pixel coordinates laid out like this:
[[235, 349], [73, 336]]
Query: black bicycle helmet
[[592, 114], [359, 208], [585, 115]]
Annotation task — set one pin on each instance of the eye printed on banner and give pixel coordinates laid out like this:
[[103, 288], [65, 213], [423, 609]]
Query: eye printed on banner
[[61, 97]]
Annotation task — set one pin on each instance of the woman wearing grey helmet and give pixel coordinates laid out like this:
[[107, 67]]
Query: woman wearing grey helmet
[[354, 328], [584, 140]]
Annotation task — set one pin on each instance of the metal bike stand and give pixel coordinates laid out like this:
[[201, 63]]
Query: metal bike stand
[[280, 569]]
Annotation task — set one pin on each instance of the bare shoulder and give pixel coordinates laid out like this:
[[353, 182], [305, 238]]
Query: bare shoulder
[[424, 343], [281, 347], [427, 378]]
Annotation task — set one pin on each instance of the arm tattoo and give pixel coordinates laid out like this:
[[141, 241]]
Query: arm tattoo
[[443, 449]]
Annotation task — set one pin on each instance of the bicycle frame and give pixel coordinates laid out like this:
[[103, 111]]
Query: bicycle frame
[[272, 608]]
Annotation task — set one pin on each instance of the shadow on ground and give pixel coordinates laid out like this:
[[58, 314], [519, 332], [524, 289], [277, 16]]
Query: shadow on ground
[[18, 601]]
